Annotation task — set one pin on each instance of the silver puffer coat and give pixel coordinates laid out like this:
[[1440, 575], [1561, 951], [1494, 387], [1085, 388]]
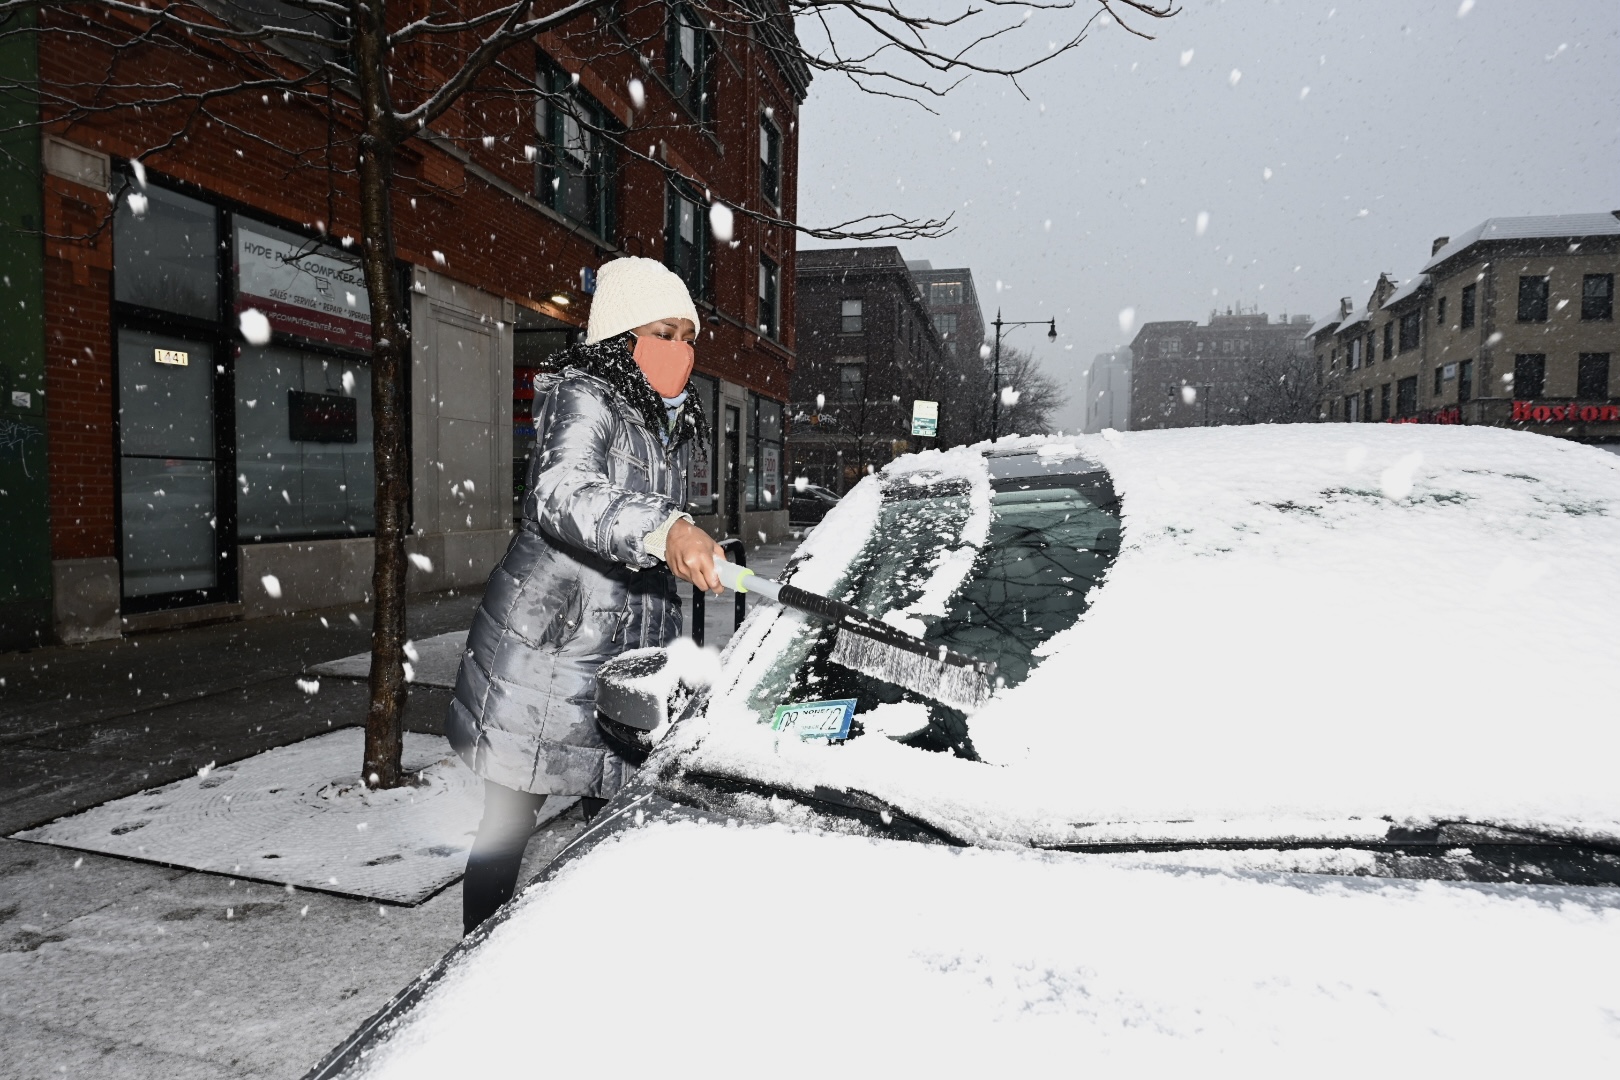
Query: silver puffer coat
[[575, 588]]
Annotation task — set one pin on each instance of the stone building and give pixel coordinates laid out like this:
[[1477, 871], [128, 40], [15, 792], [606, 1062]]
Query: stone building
[[177, 469], [867, 348], [1239, 368], [1510, 324]]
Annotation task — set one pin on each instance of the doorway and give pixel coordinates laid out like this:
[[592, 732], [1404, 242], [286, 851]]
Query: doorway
[[733, 432], [171, 548]]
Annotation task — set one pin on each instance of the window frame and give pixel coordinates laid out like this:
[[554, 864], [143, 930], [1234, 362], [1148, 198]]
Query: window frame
[[1534, 308], [770, 159], [1594, 308], [1411, 330], [1406, 393], [1465, 381], [1527, 362], [1584, 389], [770, 300], [690, 84], [1465, 318], [1389, 338], [690, 260], [845, 316], [597, 168]]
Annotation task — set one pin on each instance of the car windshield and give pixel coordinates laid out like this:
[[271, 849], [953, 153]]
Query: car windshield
[[1051, 538]]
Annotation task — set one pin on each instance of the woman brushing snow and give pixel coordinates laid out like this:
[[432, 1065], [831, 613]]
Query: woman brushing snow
[[589, 573]]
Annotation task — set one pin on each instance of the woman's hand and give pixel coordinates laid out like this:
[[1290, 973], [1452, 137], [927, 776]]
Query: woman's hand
[[690, 554]]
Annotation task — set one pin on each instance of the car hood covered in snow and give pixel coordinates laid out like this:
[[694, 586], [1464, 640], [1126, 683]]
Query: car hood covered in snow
[[1311, 631], [762, 950]]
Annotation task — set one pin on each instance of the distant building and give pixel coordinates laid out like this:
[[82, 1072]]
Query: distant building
[[1240, 368], [867, 348], [1510, 324], [1108, 392], [953, 303]]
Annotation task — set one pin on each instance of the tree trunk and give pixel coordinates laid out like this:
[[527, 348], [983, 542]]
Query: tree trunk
[[390, 333]]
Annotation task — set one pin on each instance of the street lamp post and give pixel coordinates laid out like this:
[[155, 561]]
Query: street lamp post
[[995, 388]]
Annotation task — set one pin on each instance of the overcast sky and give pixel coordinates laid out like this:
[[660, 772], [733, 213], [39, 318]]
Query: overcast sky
[[1381, 124]]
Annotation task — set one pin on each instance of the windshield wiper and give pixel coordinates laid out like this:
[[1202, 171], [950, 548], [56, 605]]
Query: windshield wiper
[[876, 814]]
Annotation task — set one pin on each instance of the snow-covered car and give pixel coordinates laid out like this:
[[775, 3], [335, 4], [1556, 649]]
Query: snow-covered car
[[1303, 754]]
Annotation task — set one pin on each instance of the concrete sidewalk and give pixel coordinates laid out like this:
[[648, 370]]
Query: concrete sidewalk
[[113, 968]]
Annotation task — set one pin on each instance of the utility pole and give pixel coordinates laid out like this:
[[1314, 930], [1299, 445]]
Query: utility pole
[[995, 386]]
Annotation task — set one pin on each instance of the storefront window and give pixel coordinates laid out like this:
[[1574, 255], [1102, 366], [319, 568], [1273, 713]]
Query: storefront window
[[701, 495], [165, 252], [303, 445], [764, 454]]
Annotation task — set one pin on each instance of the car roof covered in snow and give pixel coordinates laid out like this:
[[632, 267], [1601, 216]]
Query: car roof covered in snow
[[1309, 630]]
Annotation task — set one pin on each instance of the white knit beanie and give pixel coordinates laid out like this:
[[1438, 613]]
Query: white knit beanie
[[632, 292]]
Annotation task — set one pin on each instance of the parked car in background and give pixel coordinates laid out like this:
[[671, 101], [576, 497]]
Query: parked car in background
[[1302, 751], [809, 504]]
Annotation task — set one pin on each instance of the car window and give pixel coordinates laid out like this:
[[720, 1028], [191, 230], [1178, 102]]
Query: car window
[[1051, 540]]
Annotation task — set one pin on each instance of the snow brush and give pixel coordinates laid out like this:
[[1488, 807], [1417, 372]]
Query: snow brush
[[873, 647]]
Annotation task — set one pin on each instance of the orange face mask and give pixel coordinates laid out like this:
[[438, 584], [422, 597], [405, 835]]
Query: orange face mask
[[667, 364]]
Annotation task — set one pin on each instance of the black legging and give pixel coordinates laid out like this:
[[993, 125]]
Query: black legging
[[497, 851]]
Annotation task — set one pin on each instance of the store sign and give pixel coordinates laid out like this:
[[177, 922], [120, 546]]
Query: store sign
[[702, 473], [1451, 415], [1536, 412], [176, 357], [304, 293], [771, 482], [925, 417]]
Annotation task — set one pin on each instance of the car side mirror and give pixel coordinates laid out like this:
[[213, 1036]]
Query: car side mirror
[[636, 694]]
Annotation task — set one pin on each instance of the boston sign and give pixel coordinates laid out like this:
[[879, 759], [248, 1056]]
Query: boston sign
[[1536, 412]]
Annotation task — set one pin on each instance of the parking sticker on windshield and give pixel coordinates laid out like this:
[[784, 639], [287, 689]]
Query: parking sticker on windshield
[[816, 719]]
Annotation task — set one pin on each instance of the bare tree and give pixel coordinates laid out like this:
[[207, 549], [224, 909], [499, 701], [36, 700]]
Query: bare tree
[[1278, 386], [365, 65], [1030, 396]]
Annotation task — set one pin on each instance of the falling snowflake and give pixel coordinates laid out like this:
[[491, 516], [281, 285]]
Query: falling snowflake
[[1186, 57], [1127, 320], [1201, 224], [272, 586], [422, 562], [638, 94], [308, 686], [722, 222], [255, 326]]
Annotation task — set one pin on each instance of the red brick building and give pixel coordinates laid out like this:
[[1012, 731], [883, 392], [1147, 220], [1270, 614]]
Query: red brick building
[[194, 473]]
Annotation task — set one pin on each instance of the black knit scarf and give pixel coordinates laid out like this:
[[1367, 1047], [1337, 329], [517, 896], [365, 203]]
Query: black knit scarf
[[613, 361]]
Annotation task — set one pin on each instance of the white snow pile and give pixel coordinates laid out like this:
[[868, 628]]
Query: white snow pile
[[1308, 630], [775, 952]]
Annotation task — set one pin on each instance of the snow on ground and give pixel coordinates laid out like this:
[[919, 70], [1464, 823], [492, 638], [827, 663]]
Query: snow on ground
[[769, 951], [1314, 623], [297, 815]]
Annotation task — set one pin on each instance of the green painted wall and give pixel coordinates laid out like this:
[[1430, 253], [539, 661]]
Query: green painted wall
[[25, 539]]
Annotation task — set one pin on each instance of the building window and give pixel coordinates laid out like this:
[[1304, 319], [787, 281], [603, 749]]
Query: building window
[[945, 322], [770, 161], [1440, 312], [1355, 353], [764, 453], [1389, 339], [1439, 380], [1465, 381], [1383, 402], [1529, 375], [303, 445], [1172, 347], [691, 55], [945, 293], [1372, 346], [1533, 291], [1411, 324], [1367, 405], [574, 166], [853, 320], [686, 240], [702, 491], [1597, 296], [1592, 377], [1406, 397], [166, 258], [1350, 401], [851, 381], [770, 300], [1468, 294]]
